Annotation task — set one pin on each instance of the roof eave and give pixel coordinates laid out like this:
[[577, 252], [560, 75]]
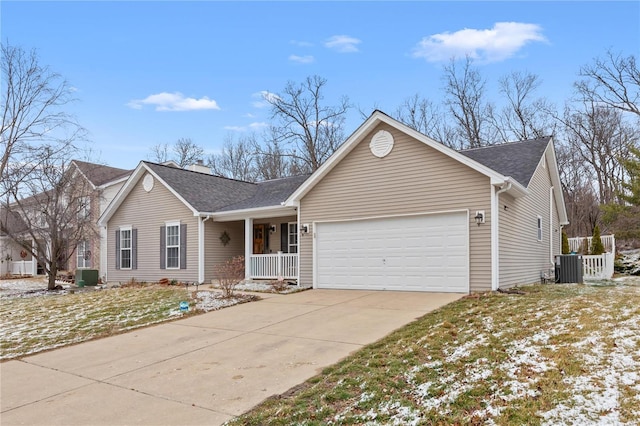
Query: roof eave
[[254, 213]]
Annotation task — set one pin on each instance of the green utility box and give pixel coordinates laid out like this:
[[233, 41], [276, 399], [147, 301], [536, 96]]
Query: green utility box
[[89, 276]]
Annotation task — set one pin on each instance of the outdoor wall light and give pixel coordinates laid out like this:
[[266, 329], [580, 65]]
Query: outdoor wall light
[[272, 228], [479, 217], [304, 228]]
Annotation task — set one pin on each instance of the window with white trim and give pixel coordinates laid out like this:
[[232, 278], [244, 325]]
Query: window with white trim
[[173, 246], [83, 255], [293, 237], [539, 228], [125, 248]]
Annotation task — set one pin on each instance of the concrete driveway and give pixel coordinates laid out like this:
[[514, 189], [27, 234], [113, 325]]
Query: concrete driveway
[[206, 369]]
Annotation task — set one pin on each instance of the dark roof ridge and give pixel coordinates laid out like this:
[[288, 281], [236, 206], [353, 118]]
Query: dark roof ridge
[[505, 143], [200, 173]]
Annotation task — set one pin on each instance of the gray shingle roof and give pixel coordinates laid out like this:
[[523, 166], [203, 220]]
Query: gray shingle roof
[[99, 174], [516, 159], [11, 223], [269, 193], [204, 192], [210, 193]]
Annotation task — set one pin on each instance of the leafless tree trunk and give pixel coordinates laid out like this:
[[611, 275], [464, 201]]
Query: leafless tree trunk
[[183, 152], [237, 160], [600, 137], [424, 116], [52, 206], [613, 81], [33, 118], [465, 97], [309, 130], [522, 117]]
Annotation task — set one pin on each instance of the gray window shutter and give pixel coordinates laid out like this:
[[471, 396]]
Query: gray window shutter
[[117, 249], [134, 248], [183, 246], [284, 237], [163, 247]]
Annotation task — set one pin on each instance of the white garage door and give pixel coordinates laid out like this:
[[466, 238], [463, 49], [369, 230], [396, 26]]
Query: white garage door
[[411, 253]]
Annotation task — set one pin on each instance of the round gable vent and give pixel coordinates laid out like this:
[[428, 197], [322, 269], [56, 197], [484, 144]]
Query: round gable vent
[[381, 144], [147, 182]]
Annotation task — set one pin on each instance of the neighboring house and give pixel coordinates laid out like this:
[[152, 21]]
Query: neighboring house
[[104, 183], [99, 185], [13, 258], [391, 209]]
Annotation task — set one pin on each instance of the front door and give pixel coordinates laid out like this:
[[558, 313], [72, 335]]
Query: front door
[[258, 238]]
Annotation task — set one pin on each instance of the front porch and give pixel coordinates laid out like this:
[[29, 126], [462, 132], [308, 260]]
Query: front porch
[[268, 240]]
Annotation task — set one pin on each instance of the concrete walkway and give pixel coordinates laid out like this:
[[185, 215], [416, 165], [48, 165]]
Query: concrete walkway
[[206, 369]]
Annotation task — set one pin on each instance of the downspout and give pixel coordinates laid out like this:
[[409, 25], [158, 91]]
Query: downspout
[[551, 260], [201, 222], [496, 234]]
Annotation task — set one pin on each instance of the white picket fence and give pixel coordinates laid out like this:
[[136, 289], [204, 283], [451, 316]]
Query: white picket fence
[[21, 267], [608, 241], [596, 267], [272, 266]]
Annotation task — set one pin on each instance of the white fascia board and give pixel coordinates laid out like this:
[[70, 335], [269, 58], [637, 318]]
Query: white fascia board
[[133, 179], [552, 164], [356, 137], [113, 182], [516, 190], [254, 213]]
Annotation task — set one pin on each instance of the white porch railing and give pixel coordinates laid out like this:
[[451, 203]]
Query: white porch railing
[[597, 267], [272, 266], [21, 267], [608, 241]]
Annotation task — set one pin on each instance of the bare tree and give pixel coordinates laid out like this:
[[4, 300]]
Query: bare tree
[[184, 152], [613, 81], [237, 160], [523, 117], [33, 115], [309, 130], [53, 207], [424, 116], [465, 98], [601, 138]]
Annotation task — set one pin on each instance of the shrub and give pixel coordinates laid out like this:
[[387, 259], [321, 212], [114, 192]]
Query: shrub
[[565, 243], [279, 285], [230, 273], [596, 242], [584, 249]]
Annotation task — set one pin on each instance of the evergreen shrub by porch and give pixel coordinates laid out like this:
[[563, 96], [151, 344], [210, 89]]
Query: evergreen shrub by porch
[[596, 242]]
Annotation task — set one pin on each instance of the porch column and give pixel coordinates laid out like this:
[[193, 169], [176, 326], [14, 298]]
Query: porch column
[[248, 246], [201, 249]]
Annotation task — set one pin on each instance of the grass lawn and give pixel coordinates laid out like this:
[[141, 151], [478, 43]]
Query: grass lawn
[[557, 354], [34, 324]]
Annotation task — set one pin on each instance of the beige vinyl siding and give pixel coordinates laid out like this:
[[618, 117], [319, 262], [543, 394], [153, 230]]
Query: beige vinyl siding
[[522, 256], [214, 251], [413, 178], [147, 212]]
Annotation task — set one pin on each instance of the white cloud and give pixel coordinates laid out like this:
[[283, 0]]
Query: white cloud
[[258, 125], [489, 45], [235, 128], [343, 43], [263, 96], [174, 102], [307, 59]]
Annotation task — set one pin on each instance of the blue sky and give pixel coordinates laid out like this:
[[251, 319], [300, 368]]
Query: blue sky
[[153, 72]]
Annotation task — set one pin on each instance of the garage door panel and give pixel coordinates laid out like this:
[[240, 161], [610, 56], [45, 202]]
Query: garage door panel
[[418, 253]]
